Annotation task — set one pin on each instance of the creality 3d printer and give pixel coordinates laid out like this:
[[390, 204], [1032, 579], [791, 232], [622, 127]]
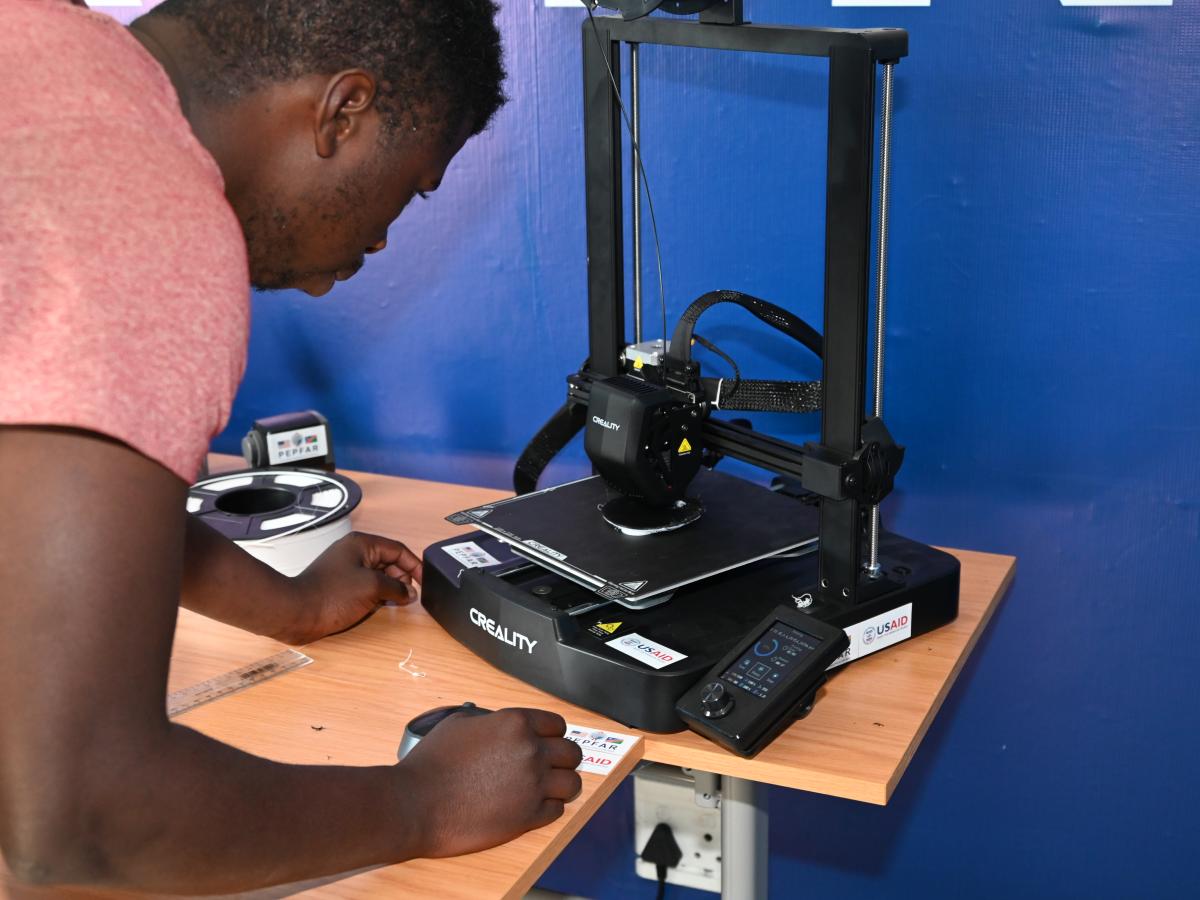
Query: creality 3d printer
[[659, 592]]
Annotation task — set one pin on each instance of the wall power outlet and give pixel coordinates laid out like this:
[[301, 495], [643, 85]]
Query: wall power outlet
[[666, 794]]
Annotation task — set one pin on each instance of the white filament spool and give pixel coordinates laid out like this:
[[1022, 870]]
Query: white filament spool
[[284, 517]]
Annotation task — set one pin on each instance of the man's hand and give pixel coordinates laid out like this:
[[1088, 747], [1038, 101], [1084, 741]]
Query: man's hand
[[340, 588], [348, 582], [484, 780]]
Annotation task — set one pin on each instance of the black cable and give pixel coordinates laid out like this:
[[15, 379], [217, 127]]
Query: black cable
[[713, 348], [567, 421], [663, 851], [589, 5], [775, 316]]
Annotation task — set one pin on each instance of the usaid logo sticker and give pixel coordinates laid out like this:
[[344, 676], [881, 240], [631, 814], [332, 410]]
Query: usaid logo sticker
[[876, 633], [657, 656]]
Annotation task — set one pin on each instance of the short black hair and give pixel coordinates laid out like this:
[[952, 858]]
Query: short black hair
[[436, 62]]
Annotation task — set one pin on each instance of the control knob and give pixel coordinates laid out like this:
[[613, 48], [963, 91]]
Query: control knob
[[715, 700]]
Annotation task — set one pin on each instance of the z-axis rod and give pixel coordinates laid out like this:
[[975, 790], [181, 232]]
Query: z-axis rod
[[635, 115], [885, 171]]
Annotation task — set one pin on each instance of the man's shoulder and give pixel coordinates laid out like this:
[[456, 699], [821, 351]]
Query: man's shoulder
[[101, 98], [102, 152], [123, 273]]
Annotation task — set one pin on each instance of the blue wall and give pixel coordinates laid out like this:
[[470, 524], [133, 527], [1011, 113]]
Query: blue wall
[[1044, 343]]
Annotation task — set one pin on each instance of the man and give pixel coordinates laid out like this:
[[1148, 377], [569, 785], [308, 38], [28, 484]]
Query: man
[[147, 175]]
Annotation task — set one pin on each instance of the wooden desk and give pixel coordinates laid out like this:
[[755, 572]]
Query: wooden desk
[[350, 706], [857, 741]]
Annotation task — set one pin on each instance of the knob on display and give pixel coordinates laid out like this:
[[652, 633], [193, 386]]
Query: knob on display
[[715, 700]]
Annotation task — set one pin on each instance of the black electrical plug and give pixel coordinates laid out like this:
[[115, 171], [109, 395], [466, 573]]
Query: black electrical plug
[[663, 852]]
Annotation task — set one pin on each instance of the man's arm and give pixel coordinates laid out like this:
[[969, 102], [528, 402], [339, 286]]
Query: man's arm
[[341, 587], [97, 786]]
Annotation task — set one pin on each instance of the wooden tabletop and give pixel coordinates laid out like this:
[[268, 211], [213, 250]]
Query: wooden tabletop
[[350, 706], [857, 741], [870, 718]]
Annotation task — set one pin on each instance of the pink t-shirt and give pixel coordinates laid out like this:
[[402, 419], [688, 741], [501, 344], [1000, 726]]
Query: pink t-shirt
[[124, 292]]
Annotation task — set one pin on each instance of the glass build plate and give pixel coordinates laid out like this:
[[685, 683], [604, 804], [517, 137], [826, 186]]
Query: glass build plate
[[562, 529]]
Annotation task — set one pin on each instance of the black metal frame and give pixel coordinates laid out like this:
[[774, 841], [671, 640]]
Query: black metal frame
[[852, 57]]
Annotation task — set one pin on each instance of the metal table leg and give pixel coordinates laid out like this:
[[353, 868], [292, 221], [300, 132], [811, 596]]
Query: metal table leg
[[743, 839]]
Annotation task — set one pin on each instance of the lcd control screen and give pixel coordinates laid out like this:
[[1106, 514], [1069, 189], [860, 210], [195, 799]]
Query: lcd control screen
[[780, 650]]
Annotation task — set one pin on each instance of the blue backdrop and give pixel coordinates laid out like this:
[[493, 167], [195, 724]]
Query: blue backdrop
[[1044, 338]]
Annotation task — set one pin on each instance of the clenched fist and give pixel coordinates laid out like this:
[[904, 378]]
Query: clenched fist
[[484, 780]]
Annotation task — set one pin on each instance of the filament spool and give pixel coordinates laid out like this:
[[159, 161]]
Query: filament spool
[[284, 517]]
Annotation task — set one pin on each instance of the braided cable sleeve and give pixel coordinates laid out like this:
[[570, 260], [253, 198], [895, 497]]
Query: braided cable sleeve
[[545, 445], [775, 316], [764, 396]]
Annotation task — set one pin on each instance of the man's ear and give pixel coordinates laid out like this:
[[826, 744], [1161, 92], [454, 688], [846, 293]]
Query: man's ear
[[343, 110]]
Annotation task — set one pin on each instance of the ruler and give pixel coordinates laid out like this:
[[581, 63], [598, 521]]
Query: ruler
[[182, 700]]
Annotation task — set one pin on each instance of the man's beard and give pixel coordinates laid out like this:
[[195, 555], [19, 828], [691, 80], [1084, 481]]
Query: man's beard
[[271, 238], [272, 234]]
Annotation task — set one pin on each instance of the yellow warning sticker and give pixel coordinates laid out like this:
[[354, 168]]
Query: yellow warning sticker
[[608, 627], [637, 363], [684, 447]]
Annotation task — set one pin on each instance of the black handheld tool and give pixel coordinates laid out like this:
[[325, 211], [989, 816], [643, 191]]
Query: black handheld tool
[[420, 726], [765, 683]]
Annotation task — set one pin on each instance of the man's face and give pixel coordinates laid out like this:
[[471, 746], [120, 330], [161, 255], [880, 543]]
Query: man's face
[[309, 225]]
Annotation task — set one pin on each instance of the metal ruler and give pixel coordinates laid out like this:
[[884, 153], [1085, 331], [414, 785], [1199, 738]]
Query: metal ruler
[[231, 682]]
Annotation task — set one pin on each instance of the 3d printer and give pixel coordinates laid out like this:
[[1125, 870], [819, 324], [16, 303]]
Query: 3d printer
[[659, 591]]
